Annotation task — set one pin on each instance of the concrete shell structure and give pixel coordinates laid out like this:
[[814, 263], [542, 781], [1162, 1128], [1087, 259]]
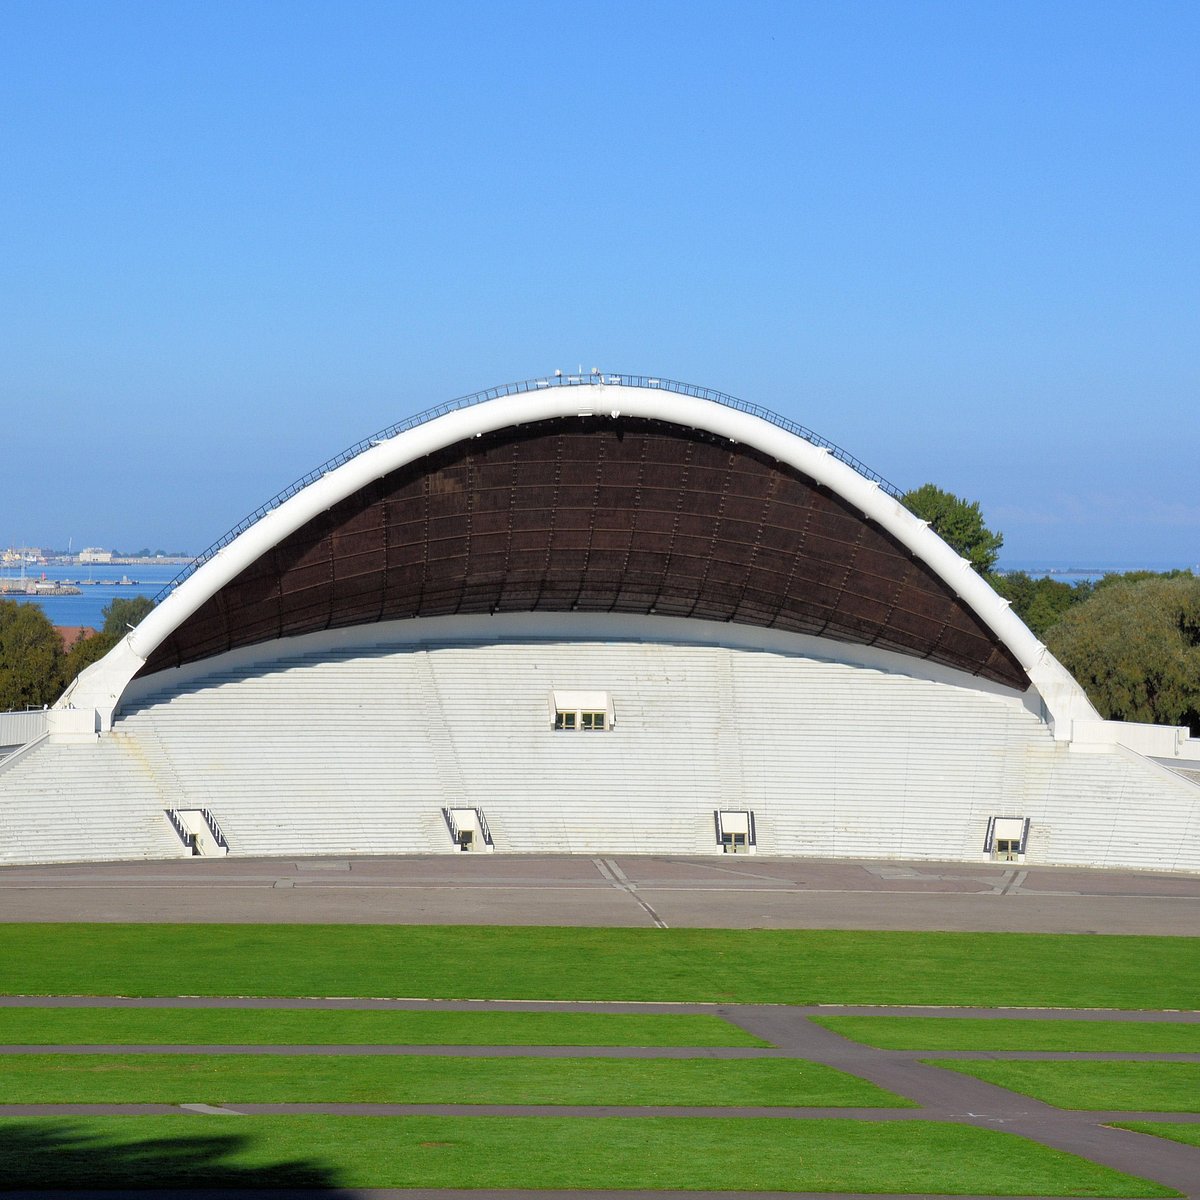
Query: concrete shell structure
[[605, 613]]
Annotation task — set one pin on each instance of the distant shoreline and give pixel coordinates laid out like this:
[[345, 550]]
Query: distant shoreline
[[1094, 572], [63, 560], [94, 586]]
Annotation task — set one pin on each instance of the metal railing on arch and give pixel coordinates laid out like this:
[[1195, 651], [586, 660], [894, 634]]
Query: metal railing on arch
[[593, 378]]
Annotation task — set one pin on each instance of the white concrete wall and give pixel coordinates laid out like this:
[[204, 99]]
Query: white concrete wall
[[17, 728], [357, 748]]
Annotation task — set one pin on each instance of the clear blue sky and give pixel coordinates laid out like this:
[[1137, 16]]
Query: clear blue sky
[[959, 239]]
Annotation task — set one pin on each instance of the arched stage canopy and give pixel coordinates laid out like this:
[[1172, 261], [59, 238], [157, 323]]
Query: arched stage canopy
[[595, 614], [590, 494]]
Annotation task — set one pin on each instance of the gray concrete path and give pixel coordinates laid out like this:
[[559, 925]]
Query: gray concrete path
[[950, 1096], [617, 890], [651, 1007], [475, 1050], [942, 1095]]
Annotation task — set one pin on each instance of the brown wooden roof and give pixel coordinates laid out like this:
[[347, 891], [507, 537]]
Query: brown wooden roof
[[597, 515]]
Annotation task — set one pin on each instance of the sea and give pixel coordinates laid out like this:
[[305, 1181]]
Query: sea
[[98, 586], [1090, 572]]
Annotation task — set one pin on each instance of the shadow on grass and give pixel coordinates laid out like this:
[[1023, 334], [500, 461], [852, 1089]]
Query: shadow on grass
[[35, 1155]]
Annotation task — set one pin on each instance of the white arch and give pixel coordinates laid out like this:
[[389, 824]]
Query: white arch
[[99, 688]]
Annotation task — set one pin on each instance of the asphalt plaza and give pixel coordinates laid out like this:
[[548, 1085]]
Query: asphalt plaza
[[728, 892]]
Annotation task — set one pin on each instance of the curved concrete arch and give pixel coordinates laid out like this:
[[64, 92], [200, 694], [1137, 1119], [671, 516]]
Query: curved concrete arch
[[100, 687]]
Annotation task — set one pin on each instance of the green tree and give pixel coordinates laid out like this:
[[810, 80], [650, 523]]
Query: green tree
[[31, 657], [957, 522], [1137, 576], [1040, 603], [121, 615], [1135, 648], [85, 652]]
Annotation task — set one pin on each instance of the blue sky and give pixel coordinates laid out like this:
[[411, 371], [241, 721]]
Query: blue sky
[[959, 239]]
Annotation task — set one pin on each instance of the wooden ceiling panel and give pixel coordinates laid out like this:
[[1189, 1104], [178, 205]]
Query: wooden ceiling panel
[[597, 515]]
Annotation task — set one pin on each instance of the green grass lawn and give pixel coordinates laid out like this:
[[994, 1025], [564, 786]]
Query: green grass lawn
[[749, 966], [426, 1079], [1189, 1135], [1144, 1086], [969, 1033], [321, 1027], [500, 1152]]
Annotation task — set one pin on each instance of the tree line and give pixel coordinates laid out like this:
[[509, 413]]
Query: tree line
[[1131, 639], [35, 667]]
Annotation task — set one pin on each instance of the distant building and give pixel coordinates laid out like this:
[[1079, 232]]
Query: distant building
[[95, 555], [22, 554], [70, 634], [595, 614]]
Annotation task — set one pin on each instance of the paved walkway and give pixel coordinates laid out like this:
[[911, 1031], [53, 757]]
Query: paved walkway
[[942, 1095], [620, 890], [949, 1096]]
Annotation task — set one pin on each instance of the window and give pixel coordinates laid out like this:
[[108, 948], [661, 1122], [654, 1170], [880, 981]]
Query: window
[[590, 712]]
